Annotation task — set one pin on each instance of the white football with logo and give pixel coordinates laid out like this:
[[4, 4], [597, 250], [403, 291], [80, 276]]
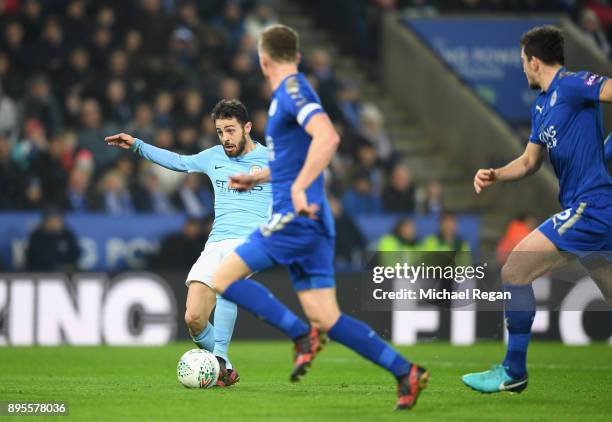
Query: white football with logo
[[198, 368]]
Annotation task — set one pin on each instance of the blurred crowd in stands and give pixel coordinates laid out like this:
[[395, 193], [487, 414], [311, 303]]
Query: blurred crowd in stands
[[75, 71], [356, 22]]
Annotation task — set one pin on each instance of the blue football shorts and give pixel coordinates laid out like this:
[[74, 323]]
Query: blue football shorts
[[296, 244]]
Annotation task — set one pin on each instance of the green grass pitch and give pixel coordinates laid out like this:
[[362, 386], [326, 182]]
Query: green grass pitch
[[109, 383]]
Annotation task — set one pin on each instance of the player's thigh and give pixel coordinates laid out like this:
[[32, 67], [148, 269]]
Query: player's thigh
[[602, 276], [232, 268], [534, 256], [203, 269], [320, 306], [201, 300]]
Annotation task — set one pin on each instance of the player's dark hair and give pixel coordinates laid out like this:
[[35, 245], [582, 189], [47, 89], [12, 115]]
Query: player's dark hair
[[227, 109], [545, 43], [280, 42]]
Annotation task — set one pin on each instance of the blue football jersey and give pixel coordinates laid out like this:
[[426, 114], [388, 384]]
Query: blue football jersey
[[293, 104], [567, 120], [237, 214]]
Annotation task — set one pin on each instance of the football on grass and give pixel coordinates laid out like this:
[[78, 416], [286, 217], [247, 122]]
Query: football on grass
[[198, 368]]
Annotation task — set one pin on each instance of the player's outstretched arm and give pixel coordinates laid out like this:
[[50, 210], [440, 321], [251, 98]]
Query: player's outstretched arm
[[528, 163], [322, 148], [164, 158], [245, 182]]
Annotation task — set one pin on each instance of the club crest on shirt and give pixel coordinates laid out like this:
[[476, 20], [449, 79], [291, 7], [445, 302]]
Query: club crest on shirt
[[254, 169], [553, 99], [291, 85]]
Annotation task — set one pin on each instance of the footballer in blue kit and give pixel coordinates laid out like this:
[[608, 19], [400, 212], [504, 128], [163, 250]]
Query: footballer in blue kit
[[237, 214], [300, 235], [566, 123]]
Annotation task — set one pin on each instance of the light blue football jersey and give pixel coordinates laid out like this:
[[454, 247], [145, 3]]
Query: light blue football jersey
[[237, 214]]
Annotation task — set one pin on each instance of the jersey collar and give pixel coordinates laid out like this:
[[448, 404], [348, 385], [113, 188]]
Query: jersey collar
[[283, 82], [555, 81], [242, 157]]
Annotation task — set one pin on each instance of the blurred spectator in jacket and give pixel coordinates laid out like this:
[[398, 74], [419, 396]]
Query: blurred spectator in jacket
[[402, 238], [589, 23], [77, 196], [399, 195], [231, 22], [259, 18], [154, 198], [349, 104], [142, 125], [447, 239], [113, 195], [178, 251], [350, 242], [430, 199], [9, 122], [360, 199], [372, 129], [47, 166], [52, 246], [400, 245], [33, 142], [41, 105], [319, 66], [517, 229], [11, 178], [118, 109], [91, 135], [193, 197], [368, 163]]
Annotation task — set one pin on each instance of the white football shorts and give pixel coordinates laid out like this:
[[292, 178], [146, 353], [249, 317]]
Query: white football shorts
[[209, 260]]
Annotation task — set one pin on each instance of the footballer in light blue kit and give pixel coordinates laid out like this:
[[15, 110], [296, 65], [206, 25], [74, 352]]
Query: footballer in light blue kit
[[237, 214], [566, 123], [300, 235]]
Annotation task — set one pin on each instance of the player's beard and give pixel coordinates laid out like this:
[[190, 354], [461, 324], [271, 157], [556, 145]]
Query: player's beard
[[535, 85], [240, 146]]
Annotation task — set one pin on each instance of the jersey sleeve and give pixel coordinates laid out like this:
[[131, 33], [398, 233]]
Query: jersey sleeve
[[300, 100], [533, 136], [583, 87], [198, 163]]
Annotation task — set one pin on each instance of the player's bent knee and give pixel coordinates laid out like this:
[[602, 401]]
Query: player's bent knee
[[512, 274], [194, 321], [324, 322]]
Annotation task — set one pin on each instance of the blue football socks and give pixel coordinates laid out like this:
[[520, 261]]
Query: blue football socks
[[519, 313], [259, 301], [359, 337]]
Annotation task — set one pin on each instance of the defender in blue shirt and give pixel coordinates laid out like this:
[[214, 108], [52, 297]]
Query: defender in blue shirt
[[566, 123], [237, 214], [300, 235]]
